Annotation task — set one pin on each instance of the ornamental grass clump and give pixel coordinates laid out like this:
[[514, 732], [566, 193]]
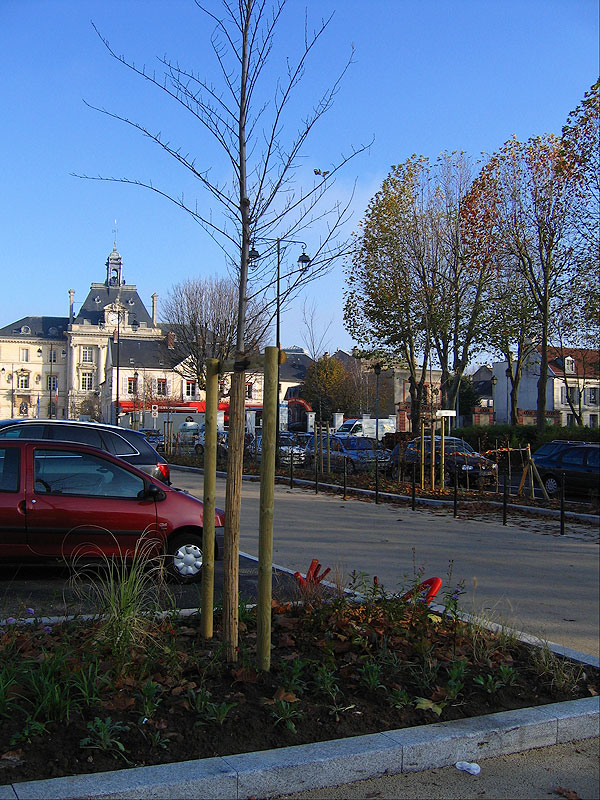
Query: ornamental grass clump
[[129, 591]]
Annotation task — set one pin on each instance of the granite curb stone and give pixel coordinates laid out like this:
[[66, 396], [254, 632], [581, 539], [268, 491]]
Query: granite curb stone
[[302, 767], [313, 766]]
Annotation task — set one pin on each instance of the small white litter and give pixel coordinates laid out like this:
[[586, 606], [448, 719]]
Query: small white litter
[[467, 766]]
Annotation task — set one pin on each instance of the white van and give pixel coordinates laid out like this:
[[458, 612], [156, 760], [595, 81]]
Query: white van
[[366, 427]]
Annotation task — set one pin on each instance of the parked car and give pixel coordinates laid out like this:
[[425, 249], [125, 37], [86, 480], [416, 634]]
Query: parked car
[[553, 447], [580, 464], [358, 452], [65, 500], [460, 460], [154, 437], [125, 443], [290, 445]]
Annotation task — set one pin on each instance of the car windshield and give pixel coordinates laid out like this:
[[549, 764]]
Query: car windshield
[[359, 443], [346, 426]]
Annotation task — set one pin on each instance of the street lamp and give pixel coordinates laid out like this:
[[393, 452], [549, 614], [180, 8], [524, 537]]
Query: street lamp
[[494, 381], [508, 374], [303, 265], [50, 387], [10, 378], [134, 326], [377, 370]]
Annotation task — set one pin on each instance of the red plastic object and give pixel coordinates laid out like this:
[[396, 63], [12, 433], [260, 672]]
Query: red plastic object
[[312, 576], [433, 584]]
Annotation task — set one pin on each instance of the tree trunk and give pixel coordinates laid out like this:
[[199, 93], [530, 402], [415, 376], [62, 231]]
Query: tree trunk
[[543, 380]]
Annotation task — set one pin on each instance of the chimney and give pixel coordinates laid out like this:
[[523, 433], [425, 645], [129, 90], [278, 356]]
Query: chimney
[[71, 296], [154, 299], [170, 340]]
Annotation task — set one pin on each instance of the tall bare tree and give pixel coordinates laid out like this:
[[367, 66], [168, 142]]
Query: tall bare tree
[[248, 112]]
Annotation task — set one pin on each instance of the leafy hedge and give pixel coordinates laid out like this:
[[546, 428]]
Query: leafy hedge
[[489, 436]]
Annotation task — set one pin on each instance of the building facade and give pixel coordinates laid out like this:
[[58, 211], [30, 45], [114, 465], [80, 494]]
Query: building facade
[[91, 363], [572, 391]]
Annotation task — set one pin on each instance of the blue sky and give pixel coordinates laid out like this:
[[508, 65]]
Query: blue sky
[[429, 76]]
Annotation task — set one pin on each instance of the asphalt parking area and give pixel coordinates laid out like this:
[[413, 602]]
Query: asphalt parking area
[[48, 590]]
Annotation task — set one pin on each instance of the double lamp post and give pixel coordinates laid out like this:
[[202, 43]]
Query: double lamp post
[[303, 264]]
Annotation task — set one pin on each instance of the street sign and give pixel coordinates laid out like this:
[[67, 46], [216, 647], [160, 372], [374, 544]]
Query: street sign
[[154, 409], [445, 412]]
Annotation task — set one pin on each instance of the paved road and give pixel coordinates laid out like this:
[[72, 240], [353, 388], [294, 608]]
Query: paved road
[[544, 583]]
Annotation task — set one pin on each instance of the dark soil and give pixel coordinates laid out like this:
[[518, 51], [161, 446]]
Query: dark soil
[[407, 654]]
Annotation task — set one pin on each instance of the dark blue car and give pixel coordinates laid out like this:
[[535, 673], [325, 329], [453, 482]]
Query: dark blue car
[[580, 465]]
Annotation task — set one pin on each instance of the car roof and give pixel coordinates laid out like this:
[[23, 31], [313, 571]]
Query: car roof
[[75, 422], [63, 445]]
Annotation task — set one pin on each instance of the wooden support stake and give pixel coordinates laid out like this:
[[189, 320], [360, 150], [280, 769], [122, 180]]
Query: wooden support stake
[[210, 480], [266, 511]]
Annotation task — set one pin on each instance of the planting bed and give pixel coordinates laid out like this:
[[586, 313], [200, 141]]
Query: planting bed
[[77, 698]]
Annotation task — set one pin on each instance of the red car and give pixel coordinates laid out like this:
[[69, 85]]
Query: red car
[[58, 499]]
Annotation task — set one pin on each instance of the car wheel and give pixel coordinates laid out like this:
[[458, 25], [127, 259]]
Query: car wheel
[[551, 485], [184, 558], [199, 449], [350, 467]]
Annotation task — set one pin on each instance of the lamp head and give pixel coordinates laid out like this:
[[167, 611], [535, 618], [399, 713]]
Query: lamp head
[[303, 262]]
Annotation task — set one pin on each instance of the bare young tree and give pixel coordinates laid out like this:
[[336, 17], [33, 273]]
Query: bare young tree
[[201, 314], [247, 112], [314, 335]]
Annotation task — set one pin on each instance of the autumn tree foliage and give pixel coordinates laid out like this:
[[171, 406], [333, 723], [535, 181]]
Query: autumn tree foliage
[[413, 289], [524, 201], [328, 387]]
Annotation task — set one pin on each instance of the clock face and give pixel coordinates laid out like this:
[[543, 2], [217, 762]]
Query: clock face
[[112, 317]]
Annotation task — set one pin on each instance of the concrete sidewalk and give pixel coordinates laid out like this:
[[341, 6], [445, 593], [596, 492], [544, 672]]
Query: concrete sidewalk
[[522, 776]]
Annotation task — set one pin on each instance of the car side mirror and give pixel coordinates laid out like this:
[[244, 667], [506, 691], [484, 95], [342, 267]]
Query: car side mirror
[[153, 492]]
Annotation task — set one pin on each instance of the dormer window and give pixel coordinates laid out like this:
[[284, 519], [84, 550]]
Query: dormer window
[[569, 365], [25, 329]]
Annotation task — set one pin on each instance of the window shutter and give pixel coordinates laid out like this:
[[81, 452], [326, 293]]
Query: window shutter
[[563, 395], [154, 386], [168, 387]]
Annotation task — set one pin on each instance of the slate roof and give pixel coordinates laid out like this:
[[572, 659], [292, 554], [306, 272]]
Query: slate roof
[[101, 295], [39, 327], [143, 354], [294, 368]]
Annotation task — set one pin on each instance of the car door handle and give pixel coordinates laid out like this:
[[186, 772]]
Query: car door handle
[[21, 507]]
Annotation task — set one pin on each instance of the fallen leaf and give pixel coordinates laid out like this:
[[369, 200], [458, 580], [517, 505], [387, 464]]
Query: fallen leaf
[[281, 694], [285, 640], [592, 691], [119, 702], [570, 794], [245, 675], [14, 756]]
